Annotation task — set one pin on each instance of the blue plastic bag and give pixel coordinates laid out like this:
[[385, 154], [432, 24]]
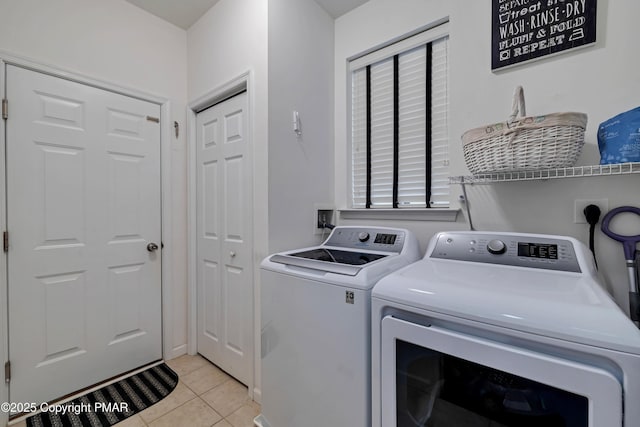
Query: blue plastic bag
[[619, 138]]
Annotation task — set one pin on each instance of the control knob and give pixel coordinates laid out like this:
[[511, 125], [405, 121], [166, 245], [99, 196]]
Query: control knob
[[496, 247], [363, 236]]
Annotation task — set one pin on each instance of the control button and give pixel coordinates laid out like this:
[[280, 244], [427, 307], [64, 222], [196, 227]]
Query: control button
[[496, 247], [472, 250], [449, 240], [363, 236], [473, 242]]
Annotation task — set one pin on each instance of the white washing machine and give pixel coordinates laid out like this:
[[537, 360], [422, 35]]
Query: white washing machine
[[502, 330], [316, 330]]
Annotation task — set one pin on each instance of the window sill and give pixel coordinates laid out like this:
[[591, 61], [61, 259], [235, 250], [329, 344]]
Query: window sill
[[433, 214]]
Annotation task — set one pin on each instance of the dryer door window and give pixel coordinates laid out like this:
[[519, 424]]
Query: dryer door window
[[434, 377], [438, 390]]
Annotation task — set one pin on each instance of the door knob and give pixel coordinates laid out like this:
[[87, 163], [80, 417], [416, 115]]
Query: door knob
[[232, 254], [152, 247]]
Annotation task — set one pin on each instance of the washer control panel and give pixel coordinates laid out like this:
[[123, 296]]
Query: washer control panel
[[369, 238], [519, 250]]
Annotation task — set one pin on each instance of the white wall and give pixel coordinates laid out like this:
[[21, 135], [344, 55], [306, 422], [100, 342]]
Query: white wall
[[229, 40], [117, 43], [301, 173], [600, 80]]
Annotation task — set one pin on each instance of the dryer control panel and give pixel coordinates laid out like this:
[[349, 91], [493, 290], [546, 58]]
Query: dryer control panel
[[515, 249]]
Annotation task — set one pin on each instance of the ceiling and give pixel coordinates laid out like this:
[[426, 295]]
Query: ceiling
[[185, 12], [337, 8], [181, 13]]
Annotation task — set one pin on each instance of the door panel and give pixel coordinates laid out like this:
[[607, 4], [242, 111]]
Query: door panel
[[83, 201], [209, 197], [236, 297], [233, 200], [224, 279], [211, 298]]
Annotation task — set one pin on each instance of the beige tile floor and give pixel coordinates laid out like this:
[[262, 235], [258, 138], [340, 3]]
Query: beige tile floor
[[204, 397]]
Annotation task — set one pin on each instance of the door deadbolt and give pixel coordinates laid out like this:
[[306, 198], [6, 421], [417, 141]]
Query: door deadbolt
[[152, 247]]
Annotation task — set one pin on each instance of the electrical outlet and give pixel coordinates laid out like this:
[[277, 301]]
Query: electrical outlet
[[323, 216], [580, 204], [323, 213]]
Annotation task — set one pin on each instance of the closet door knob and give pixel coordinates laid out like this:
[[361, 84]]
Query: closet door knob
[[152, 247]]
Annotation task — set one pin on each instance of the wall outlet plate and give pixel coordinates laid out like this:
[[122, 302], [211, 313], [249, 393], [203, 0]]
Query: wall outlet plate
[[580, 204], [323, 214]]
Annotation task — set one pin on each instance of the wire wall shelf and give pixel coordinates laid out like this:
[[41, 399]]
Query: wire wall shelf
[[544, 174]]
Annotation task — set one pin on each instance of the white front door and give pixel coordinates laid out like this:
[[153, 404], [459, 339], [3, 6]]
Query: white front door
[[83, 198], [224, 244]]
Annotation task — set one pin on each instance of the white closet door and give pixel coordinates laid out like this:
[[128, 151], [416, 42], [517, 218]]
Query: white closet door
[[83, 197], [224, 271]]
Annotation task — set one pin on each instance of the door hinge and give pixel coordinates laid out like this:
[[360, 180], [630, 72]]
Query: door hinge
[[5, 109], [5, 241], [7, 372]]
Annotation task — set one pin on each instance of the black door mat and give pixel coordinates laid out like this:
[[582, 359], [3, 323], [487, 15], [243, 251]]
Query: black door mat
[[112, 403]]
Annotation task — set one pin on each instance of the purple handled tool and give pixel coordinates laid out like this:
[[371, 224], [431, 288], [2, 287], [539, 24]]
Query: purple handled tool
[[629, 244]]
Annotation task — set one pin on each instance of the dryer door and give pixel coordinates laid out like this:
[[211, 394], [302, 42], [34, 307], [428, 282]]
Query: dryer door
[[436, 377]]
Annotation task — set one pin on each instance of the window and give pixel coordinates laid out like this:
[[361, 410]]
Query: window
[[399, 124]]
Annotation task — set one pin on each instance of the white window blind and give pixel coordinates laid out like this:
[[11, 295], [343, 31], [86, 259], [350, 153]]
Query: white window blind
[[359, 138], [440, 124], [399, 128], [382, 133], [412, 149]]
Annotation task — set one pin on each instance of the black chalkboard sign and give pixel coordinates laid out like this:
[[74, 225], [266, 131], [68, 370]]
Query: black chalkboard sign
[[529, 29]]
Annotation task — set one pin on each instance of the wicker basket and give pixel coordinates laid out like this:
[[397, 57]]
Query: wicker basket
[[525, 142]]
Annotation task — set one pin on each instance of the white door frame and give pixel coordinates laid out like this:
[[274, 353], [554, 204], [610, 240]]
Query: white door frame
[[219, 94], [166, 132]]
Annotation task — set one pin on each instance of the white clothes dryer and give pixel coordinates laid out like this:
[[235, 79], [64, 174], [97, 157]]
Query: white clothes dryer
[[505, 330], [316, 326]]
